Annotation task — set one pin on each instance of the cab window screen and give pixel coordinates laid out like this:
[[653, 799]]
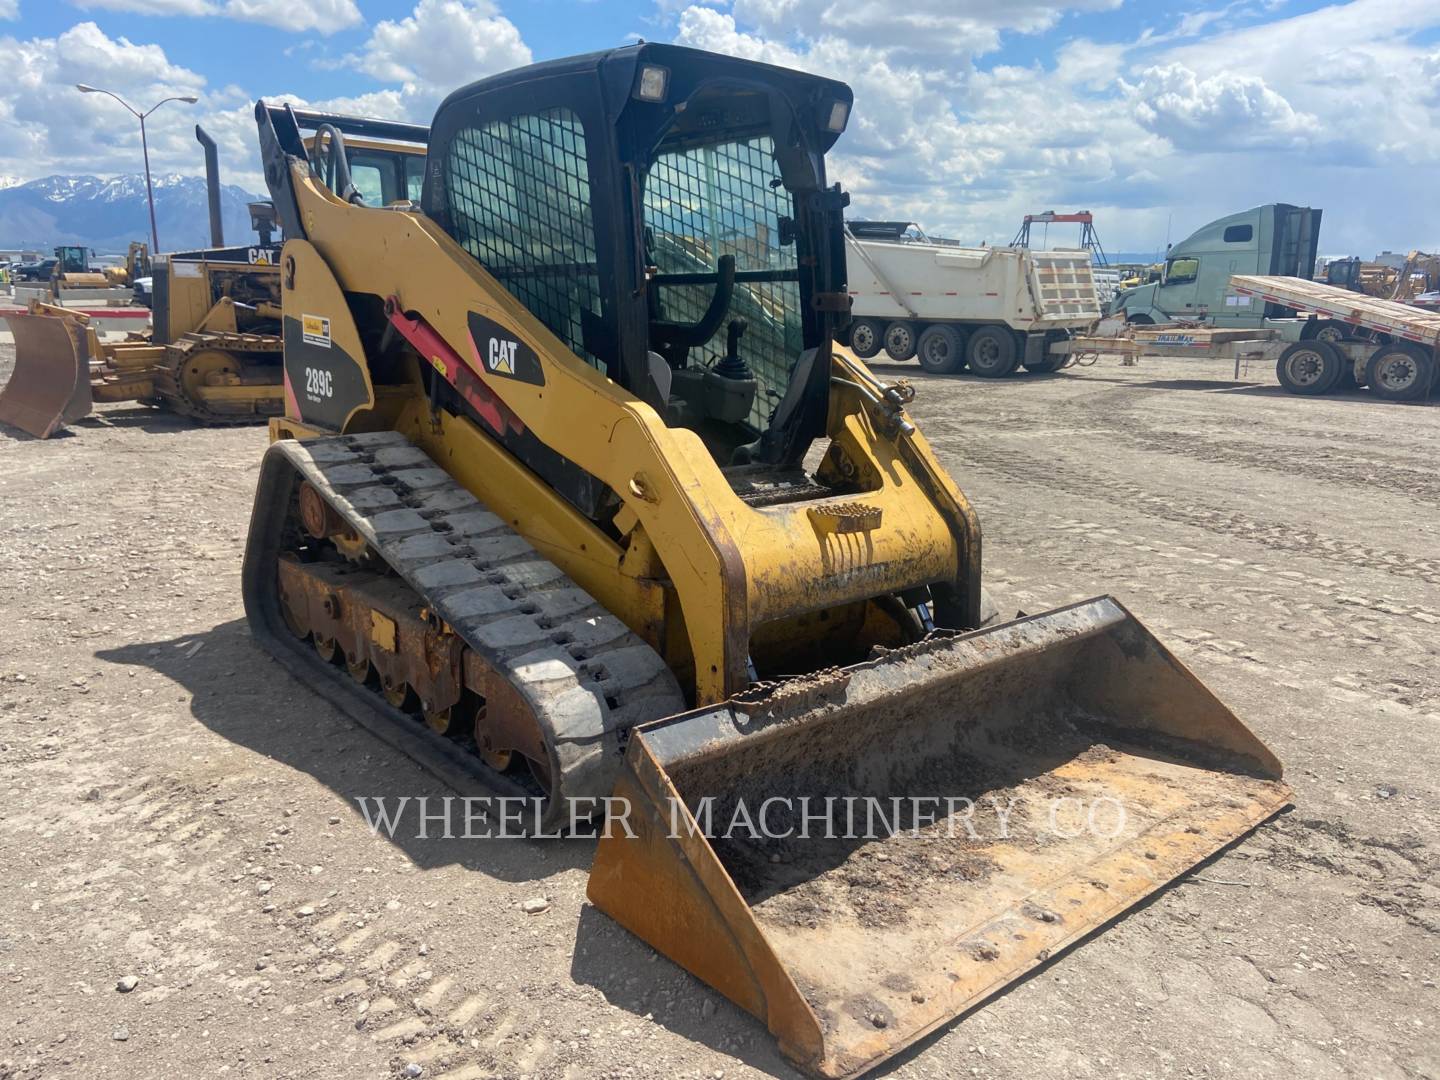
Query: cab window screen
[[519, 202], [1239, 234], [719, 200]]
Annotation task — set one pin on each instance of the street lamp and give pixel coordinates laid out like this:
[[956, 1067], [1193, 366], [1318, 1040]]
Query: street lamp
[[144, 146]]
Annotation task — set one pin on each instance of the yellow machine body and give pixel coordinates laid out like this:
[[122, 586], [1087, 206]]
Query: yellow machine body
[[799, 661]]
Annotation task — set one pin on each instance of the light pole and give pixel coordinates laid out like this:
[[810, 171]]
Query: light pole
[[144, 146]]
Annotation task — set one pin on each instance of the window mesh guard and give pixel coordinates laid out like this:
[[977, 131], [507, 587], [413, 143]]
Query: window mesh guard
[[519, 198], [718, 200]]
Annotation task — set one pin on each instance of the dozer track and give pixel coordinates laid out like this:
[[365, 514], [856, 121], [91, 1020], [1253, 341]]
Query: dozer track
[[247, 353], [423, 550]]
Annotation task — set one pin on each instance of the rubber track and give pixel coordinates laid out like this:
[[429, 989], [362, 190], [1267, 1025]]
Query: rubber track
[[586, 676]]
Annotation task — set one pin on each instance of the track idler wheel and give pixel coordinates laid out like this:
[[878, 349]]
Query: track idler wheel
[[292, 621], [360, 669], [454, 719], [498, 758], [399, 694]]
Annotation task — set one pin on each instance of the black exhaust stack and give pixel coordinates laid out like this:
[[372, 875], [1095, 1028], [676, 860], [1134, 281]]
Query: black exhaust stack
[[212, 186]]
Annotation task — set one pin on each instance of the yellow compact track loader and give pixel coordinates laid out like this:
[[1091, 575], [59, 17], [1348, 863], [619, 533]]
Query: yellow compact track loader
[[574, 497]]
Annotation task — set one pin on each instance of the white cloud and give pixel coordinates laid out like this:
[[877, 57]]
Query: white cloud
[[48, 126], [925, 27], [1223, 112], [1213, 111], [440, 46], [324, 16], [9, 9], [963, 151]]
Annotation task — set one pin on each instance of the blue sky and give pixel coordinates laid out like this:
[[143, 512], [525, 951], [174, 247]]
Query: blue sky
[[1157, 115]]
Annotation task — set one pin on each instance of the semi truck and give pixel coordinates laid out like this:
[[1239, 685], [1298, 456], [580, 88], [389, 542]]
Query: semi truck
[[991, 309], [1275, 240]]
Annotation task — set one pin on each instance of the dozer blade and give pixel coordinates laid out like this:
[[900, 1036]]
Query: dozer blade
[[1117, 768], [50, 385]]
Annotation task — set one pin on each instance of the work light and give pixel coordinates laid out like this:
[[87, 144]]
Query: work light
[[654, 81]]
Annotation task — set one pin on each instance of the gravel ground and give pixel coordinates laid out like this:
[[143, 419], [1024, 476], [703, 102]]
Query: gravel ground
[[179, 811]]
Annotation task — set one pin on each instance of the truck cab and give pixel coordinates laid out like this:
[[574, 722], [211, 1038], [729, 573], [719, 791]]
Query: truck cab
[[1275, 239]]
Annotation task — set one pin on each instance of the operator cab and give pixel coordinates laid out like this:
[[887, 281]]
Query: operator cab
[[373, 163], [664, 212]]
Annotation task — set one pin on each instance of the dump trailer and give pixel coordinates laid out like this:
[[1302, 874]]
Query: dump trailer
[[539, 514], [991, 309]]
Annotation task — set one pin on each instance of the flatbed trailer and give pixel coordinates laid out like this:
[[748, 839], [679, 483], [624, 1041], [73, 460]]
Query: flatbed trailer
[[1392, 348], [1389, 347], [1400, 322]]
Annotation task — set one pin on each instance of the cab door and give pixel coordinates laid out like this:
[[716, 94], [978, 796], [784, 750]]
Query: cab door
[[1177, 293]]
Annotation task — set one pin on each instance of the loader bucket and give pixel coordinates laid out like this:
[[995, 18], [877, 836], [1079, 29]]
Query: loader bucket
[[50, 385], [872, 914]]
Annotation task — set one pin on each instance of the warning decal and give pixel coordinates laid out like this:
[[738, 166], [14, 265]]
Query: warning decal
[[316, 330]]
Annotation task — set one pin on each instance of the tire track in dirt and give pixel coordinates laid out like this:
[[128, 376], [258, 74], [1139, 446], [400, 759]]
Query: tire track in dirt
[[170, 841], [1380, 467], [1092, 483], [1395, 643]]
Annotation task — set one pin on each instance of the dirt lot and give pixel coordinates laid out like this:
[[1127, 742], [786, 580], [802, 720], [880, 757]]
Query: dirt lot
[[176, 809]]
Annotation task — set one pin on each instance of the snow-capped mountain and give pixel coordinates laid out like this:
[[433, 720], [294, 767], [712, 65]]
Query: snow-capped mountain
[[107, 213]]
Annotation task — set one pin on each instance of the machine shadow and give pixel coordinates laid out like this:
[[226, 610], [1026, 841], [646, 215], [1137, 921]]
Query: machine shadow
[[623, 968], [143, 417], [243, 695], [15, 434]]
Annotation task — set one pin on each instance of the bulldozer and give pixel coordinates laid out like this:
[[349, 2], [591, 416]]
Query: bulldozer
[[213, 351], [576, 500]]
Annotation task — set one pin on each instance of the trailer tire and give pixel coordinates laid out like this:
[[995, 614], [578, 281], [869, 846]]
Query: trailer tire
[[1325, 330], [1400, 373], [992, 352], [865, 338], [941, 350], [1139, 320], [1309, 368], [1347, 380], [900, 339]]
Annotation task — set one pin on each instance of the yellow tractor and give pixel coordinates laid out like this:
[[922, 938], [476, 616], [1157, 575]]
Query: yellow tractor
[[137, 266], [213, 351], [576, 499]]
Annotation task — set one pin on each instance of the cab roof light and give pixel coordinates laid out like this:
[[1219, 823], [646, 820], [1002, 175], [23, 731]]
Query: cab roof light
[[653, 83]]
